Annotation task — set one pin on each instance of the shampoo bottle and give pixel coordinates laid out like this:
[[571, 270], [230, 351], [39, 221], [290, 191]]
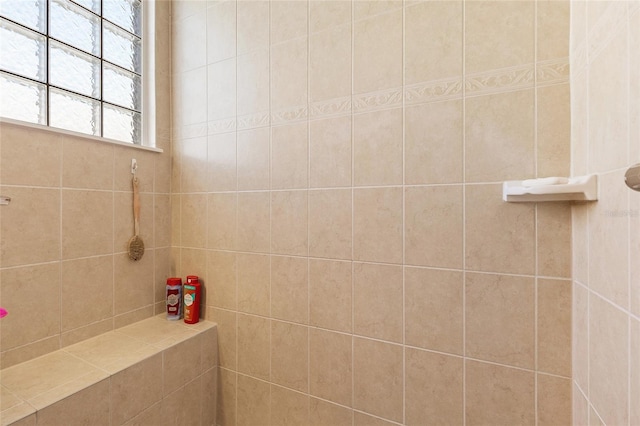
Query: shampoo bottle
[[174, 298], [192, 300]]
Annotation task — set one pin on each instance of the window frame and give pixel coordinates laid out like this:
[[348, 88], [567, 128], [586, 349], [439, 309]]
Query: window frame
[[148, 105]]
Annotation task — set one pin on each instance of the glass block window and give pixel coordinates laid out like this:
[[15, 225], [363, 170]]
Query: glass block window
[[74, 65]]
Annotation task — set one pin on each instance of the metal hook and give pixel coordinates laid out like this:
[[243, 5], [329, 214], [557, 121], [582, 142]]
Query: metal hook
[[4, 200]]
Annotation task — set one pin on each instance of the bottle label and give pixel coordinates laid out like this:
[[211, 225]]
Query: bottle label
[[188, 299], [173, 299]]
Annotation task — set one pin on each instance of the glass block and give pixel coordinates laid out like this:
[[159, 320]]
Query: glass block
[[122, 125], [22, 51], [73, 70], [122, 48], [92, 5], [122, 87], [124, 13], [30, 13], [73, 112], [75, 26], [22, 99]]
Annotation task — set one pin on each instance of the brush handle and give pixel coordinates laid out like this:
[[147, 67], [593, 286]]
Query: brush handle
[[136, 207]]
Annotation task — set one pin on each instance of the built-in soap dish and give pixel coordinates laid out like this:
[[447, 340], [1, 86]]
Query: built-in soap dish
[[581, 188]]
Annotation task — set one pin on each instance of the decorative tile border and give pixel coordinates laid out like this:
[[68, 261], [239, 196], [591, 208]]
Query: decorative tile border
[[291, 115], [579, 59], [190, 131], [222, 126], [602, 34], [253, 121], [377, 100], [330, 108], [432, 91], [501, 80], [552, 72]]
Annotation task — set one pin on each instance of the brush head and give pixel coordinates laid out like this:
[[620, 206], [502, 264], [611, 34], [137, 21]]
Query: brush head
[[136, 248]]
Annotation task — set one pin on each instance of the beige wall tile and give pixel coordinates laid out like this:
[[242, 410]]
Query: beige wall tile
[[330, 223], [86, 304], [221, 89], [193, 262], [608, 239], [162, 172], [227, 389], [133, 283], [377, 301], [254, 346], [289, 74], [188, 32], [30, 227], [426, 375], [330, 294], [209, 350], [253, 221], [433, 317], [377, 54], [580, 336], [554, 326], [434, 226], [553, 129], [330, 59], [253, 81], [222, 276], [552, 29], [330, 372], [377, 224], [330, 152], [325, 14], [209, 397], [227, 326], [82, 234], [133, 316], [222, 162], [21, 354], [181, 364], [253, 401], [221, 31], [361, 419], [500, 319], [189, 99], [498, 35], [499, 133], [554, 239], [325, 413], [86, 164], [290, 355], [290, 289], [253, 159], [499, 237], [579, 124], [608, 102], [377, 148], [498, 395], [288, 407], [122, 176], [554, 400], [89, 406], [288, 20], [86, 332], [378, 378], [367, 8], [126, 401], [31, 295], [634, 372], [253, 25], [434, 27], [580, 407], [289, 222], [253, 283], [433, 140], [608, 361], [181, 407], [161, 220], [150, 417], [580, 244], [290, 156], [222, 217], [162, 271], [30, 157]]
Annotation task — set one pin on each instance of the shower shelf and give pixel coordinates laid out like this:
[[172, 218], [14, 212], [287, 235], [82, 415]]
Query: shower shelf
[[581, 188]]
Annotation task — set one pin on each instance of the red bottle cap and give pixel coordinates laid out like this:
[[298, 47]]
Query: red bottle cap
[[174, 281], [192, 279]]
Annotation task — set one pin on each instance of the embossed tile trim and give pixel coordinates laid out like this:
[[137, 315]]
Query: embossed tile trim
[[253, 121], [377, 100], [290, 115], [432, 91], [579, 59], [191, 131], [501, 80], [601, 34], [552, 72], [330, 107], [222, 126]]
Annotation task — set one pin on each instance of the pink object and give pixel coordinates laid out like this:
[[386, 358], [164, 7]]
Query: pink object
[[3, 312]]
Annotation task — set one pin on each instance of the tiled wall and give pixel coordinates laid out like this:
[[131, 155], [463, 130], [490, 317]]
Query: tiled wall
[[337, 185], [64, 272], [605, 99]]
